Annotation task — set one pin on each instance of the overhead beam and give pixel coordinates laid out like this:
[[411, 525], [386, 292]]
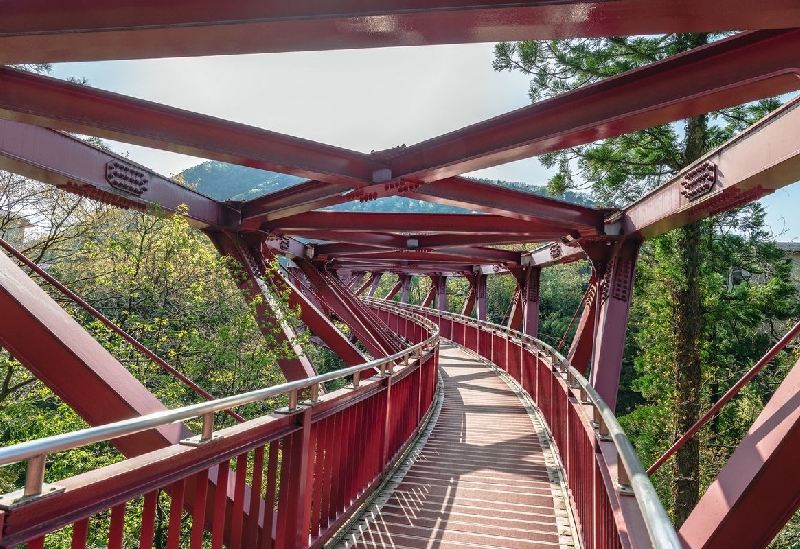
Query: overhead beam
[[300, 198], [763, 158], [78, 167], [361, 221], [379, 240], [53, 103], [91, 30], [499, 200], [730, 72], [452, 255]]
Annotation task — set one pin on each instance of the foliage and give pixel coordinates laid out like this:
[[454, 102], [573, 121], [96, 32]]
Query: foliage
[[689, 335]]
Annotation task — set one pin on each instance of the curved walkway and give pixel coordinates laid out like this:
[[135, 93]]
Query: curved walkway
[[485, 477]]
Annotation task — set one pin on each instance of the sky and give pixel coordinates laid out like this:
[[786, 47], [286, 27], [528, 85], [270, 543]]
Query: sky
[[358, 99]]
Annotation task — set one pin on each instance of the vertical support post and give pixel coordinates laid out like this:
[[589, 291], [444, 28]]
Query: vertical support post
[[525, 312], [299, 482], [530, 298], [614, 302], [441, 292], [480, 297], [580, 351], [406, 288], [376, 280]]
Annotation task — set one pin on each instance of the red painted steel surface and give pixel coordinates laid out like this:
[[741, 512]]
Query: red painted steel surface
[[57, 350], [729, 72], [615, 296], [299, 459], [63, 30], [270, 321], [56, 104], [80, 168], [756, 490]]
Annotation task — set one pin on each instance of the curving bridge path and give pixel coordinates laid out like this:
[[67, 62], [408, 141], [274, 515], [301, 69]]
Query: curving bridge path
[[483, 476]]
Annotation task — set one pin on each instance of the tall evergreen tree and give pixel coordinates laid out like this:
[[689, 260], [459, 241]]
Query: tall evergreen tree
[[619, 169]]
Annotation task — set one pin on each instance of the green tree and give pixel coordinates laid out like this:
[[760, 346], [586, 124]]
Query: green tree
[[622, 168]]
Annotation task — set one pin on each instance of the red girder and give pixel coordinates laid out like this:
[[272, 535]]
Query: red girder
[[316, 321], [351, 241], [56, 104], [742, 68], [300, 198], [247, 276], [756, 491], [763, 158], [66, 358], [499, 200], [78, 167], [446, 255], [63, 30], [448, 223]]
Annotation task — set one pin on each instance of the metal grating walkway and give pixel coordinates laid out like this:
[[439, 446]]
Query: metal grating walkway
[[485, 477]]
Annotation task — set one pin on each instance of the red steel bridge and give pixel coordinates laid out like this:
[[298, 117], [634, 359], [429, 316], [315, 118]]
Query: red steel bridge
[[531, 458]]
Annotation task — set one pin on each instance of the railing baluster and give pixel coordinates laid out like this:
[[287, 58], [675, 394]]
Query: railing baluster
[[115, 531], [237, 518], [269, 498], [220, 504], [79, 531], [148, 520], [176, 494], [199, 509]]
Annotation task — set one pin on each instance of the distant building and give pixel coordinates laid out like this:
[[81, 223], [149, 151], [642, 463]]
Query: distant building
[[13, 227], [792, 250]]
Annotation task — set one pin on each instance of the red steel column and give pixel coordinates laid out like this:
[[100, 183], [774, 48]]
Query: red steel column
[[756, 491], [249, 280], [480, 297], [525, 312], [580, 351], [395, 289], [441, 292], [312, 317], [614, 299], [376, 280], [406, 288]]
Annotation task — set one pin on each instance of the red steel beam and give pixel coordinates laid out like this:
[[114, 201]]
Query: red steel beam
[[76, 166], [300, 198], [312, 317], [360, 221], [730, 72], [754, 494], [455, 253], [342, 241], [88, 30], [248, 278], [52, 103], [66, 358], [763, 158], [499, 200]]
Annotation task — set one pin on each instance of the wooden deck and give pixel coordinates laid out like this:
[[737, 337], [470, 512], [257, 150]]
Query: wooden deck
[[484, 478]]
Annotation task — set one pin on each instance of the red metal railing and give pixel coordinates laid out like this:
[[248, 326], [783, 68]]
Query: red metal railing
[[280, 481], [614, 503]]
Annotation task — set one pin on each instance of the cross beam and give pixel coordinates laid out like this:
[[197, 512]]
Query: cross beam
[[91, 30]]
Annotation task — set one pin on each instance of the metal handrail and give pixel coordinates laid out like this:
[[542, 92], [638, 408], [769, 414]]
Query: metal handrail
[[35, 451], [659, 527]]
